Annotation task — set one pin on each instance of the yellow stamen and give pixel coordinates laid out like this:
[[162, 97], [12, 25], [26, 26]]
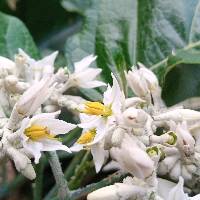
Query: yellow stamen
[[97, 108], [87, 137], [36, 132]]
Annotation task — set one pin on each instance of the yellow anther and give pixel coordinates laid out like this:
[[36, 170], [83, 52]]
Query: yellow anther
[[87, 137], [36, 132], [97, 108]]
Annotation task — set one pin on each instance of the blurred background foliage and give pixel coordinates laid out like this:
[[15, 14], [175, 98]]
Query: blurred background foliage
[[164, 35]]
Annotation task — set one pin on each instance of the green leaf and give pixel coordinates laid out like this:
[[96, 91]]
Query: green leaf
[[14, 35], [121, 33], [106, 32], [181, 79]]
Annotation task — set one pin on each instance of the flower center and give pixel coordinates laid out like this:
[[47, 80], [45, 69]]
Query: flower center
[[154, 151], [97, 108], [36, 132], [87, 137], [173, 138]]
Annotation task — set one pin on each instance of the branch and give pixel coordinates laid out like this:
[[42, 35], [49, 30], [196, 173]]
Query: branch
[[83, 192], [63, 190]]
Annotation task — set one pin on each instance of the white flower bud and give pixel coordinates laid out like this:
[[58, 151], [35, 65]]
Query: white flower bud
[[32, 99], [178, 115], [132, 158], [134, 117], [22, 163], [142, 81], [11, 80], [109, 192], [6, 66], [118, 191], [185, 139], [134, 102], [117, 137]]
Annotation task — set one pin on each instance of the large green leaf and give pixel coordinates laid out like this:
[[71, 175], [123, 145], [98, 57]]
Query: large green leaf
[[124, 32], [181, 77], [108, 27], [14, 35]]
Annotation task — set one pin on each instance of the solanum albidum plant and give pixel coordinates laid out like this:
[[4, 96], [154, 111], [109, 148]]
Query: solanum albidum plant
[[121, 132]]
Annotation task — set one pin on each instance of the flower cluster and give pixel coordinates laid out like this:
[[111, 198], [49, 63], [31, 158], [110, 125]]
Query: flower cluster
[[32, 94], [155, 145]]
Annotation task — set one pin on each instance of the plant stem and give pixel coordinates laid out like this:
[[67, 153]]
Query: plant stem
[[37, 190], [68, 173], [189, 46], [83, 192], [63, 190], [81, 171]]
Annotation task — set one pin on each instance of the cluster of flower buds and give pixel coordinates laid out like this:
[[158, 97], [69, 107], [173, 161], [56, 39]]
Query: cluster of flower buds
[[140, 134]]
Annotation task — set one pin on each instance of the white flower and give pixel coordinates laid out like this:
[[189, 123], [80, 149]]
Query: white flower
[[38, 134], [32, 70], [92, 138], [171, 191], [83, 75], [96, 120], [132, 158]]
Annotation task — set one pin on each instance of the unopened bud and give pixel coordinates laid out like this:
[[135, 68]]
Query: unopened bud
[[134, 117], [142, 81], [22, 163], [32, 99]]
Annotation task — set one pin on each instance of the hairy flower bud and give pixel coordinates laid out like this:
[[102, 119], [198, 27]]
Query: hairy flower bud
[[134, 117], [142, 81], [22, 163], [32, 99], [132, 158]]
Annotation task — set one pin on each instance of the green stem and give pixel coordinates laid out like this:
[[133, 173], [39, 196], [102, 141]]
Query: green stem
[[189, 46], [68, 173], [83, 192], [81, 171], [37, 190], [63, 190]]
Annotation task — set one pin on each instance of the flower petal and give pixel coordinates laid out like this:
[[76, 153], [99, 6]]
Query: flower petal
[[177, 193], [99, 155], [53, 145], [55, 126], [84, 63], [34, 149]]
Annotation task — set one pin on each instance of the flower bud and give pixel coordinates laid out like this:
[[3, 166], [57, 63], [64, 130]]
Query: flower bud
[[142, 81], [109, 192], [185, 139], [132, 158], [134, 117], [118, 191], [117, 137], [178, 115], [6, 66], [32, 99], [22, 163]]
